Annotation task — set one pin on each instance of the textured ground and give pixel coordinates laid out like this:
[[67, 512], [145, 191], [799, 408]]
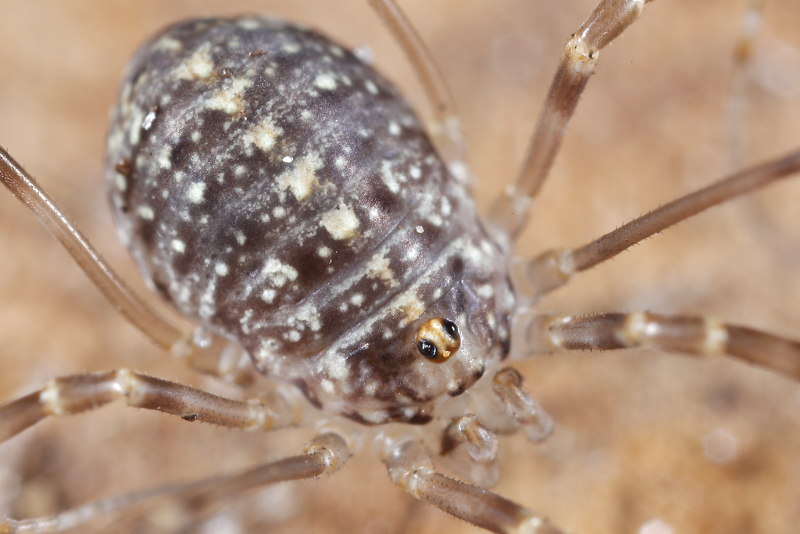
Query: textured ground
[[636, 432]]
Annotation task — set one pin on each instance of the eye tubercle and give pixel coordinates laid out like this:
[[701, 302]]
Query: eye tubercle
[[438, 339]]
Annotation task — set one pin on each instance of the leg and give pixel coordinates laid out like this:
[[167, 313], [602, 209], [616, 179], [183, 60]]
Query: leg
[[473, 449], [78, 393], [411, 468], [537, 425], [325, 454], [553, 268], [697, 336], [209, 356], [24, 187], [470, 441], [218, 357], [446, 129], [740, 108], [609, 19]]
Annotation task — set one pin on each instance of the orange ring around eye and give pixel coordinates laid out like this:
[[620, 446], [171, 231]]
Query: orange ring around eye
[[442, 335]]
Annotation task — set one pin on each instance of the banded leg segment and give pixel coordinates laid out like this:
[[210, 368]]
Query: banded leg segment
[[78, 393], [325, 454], [696, 336], [509, 212], [411, 469], [553, 268]]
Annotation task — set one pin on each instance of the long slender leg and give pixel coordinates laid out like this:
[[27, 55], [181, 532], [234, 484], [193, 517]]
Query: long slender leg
[[697, 336], [446, 129], [78, 393], [25, 188], [609, 19], [209, 356], [325, 454], [410, 468], [553, 268]]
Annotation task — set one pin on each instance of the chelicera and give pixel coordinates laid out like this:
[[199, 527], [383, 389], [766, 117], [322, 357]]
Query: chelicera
[[427, 334]]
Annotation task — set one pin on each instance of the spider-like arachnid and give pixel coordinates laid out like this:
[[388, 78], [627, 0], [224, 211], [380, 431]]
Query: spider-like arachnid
[[631, 427]]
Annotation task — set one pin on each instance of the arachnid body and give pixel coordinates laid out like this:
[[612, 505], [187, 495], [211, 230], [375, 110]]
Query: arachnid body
[[324, 207], [723, 392]]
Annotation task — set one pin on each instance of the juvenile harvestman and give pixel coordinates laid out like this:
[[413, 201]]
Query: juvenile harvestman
[[676, 296]]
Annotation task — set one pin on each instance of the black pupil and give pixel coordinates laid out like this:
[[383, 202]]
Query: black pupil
[[426, 348], [451, 328]]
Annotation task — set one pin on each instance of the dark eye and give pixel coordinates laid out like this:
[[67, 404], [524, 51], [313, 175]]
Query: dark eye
[[438, 339], [427, 349], [451, 329]]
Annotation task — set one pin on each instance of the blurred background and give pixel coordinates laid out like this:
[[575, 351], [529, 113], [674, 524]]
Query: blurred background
[[644, 442]]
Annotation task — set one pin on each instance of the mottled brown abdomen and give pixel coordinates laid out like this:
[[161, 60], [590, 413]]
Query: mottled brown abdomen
[[280, 192]]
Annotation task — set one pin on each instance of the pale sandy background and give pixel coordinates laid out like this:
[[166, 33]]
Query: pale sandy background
[[629, 445]]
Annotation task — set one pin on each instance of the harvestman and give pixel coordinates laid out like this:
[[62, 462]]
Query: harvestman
[[437, 339]]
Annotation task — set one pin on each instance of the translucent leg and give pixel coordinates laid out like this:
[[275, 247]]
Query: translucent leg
[[509, 212], [481, 443], [553, 268], [535, 422], [446, 130], [698, 336], [466, 434], [410, 468], [78, 393], [325, 454]]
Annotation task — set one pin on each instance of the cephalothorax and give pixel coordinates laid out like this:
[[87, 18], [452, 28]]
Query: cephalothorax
[[283, 194], [279, 192]]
